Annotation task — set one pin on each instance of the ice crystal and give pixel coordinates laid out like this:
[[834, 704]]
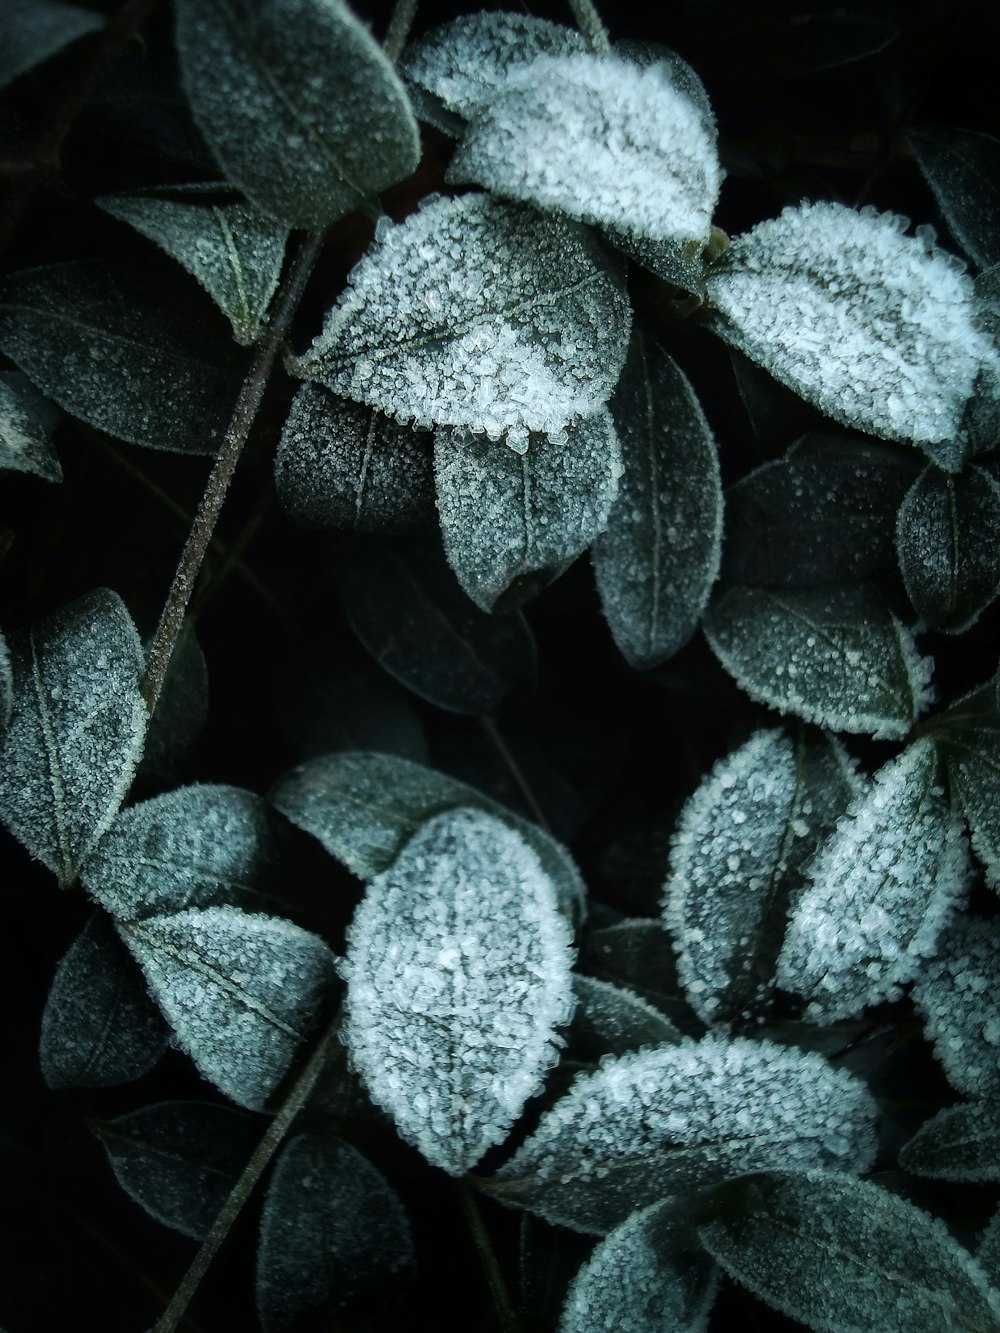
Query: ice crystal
[[613, 1019], [960, 1143], [958, 997]]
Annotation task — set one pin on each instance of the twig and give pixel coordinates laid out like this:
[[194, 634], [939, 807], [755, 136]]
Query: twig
[[504, 1306], [589, 22], [403, 14]]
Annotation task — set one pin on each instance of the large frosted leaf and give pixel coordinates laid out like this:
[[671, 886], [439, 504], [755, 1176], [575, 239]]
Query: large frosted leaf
[[843, 1254], [672, 1117], [962, 167], [24, 436], [332, 1232], [458, 971], [879, 892], [969, 738], [240, 991], [511, 522], [610, 1019], [75, 735], [188, 848], [959, 1143], [835, 656], [33, 30], [479, 314], [659, 556], [875, 328], [736, 865], [297, 101]]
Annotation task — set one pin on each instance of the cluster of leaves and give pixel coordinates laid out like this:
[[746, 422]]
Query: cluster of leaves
[[689, 1051]]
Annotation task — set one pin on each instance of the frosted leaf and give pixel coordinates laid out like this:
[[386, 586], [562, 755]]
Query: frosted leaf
[[670, 1118], [181, 709], [187, 848], [24, 438], [960, 1143], [332, 1232], [962, 167], [458, 972], [6, 684], [842, 1254], [601, 139], [181, 1160], [988, 1250], [959, 998], [612, 1019], [511, 522], [948, 539], [33, 30], [363, 808], [969, 738], [240, 991], [736, 865], [638, 954], [232, 250], [342, 465], [69, 752], [298, 103], [99, 1026], [835, 656], [659, 556], [646, 1276], [479, 314], [869, 325], [878, 893]]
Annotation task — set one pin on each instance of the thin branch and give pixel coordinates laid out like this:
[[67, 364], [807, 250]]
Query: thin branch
[[403, 14], [514, 768], [504, 1306], [589, 22]]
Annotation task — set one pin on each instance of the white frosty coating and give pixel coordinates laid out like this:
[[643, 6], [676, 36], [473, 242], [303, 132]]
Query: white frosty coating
[[835, 656], [233, 251], [24, 439], [974, 777], [601, 139], [842, 1254], [961, 167], [239, 990], [187, 848], [508, 516], [672, 1117], [879, 892], [479, 314], [959, 997], [69, 753], [960, 1143], [458, 972], [988, 1250], [875, 328], [6, 683], [614, 1019]]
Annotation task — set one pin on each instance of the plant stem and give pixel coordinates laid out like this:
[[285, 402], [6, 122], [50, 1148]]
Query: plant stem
[[589, 22], [509, 1321], [514, 768], [403, 14]]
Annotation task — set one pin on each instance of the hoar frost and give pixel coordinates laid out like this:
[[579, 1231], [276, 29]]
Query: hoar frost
[[957, 996]]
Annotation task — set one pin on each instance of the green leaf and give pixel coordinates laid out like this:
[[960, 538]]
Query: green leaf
[[659, 556], [959, 1143], [959, 997], [69, 753], [835, 656], [611, 1019], [33, 30], [968, 735], [24, 434], [638, 954], [298, 103], [962, 167]]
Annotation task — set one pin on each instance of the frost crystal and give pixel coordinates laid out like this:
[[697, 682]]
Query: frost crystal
[[970, 742], [960, 1143], [25, 430], [458, 971], [614, 1019]]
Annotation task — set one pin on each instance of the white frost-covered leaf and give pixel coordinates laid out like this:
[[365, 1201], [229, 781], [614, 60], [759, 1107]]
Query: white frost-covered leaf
[[479, 314], [960, 1143], [511, 521], [879, 892], [659, 556], [24, 436], [673, 1117], [458, 972], [875, 328], [959, 997], [835, 656], [612, 1019], [240, 991], [962, 167], [75, 735], [988, 1250]]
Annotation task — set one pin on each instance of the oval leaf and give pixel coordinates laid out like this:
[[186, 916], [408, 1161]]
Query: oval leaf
[[611, 1020], [960, 1143], [638, 954], [969, 739], [24, 437], [959, 997], [962, 167], [33, 30]]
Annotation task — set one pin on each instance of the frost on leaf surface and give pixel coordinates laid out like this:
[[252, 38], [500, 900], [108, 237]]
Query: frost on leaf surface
[[670, 1118], [33, 30], [24, 434], [458, 972], [601, 139], [240, 991], [962, 167], [6, 683], [511, 522], [612, 1019], [879, 892], [647, 1276], [969, 739], [843, 1254], [343, 465], [75, 735], [659, 555], [960, 1143], [875, 328], [836, 656], [298, 103], [479, 314], [187, 848], [332, 1233], [736, 864]]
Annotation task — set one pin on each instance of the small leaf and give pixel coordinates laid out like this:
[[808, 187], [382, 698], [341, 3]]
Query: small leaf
[[670, 1118], [75, 735], [299, 104], [239, 991], [511, 522], [458, 972], [611, 1019], [24, 438], [879, 892], [962, 167], [659, 556], [959, 1143], [959, 997], [835, 656], [332, 1233], [99, 1027], [968, 735], [948, 538], [33, 30], [638, 954], [182, 707]]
